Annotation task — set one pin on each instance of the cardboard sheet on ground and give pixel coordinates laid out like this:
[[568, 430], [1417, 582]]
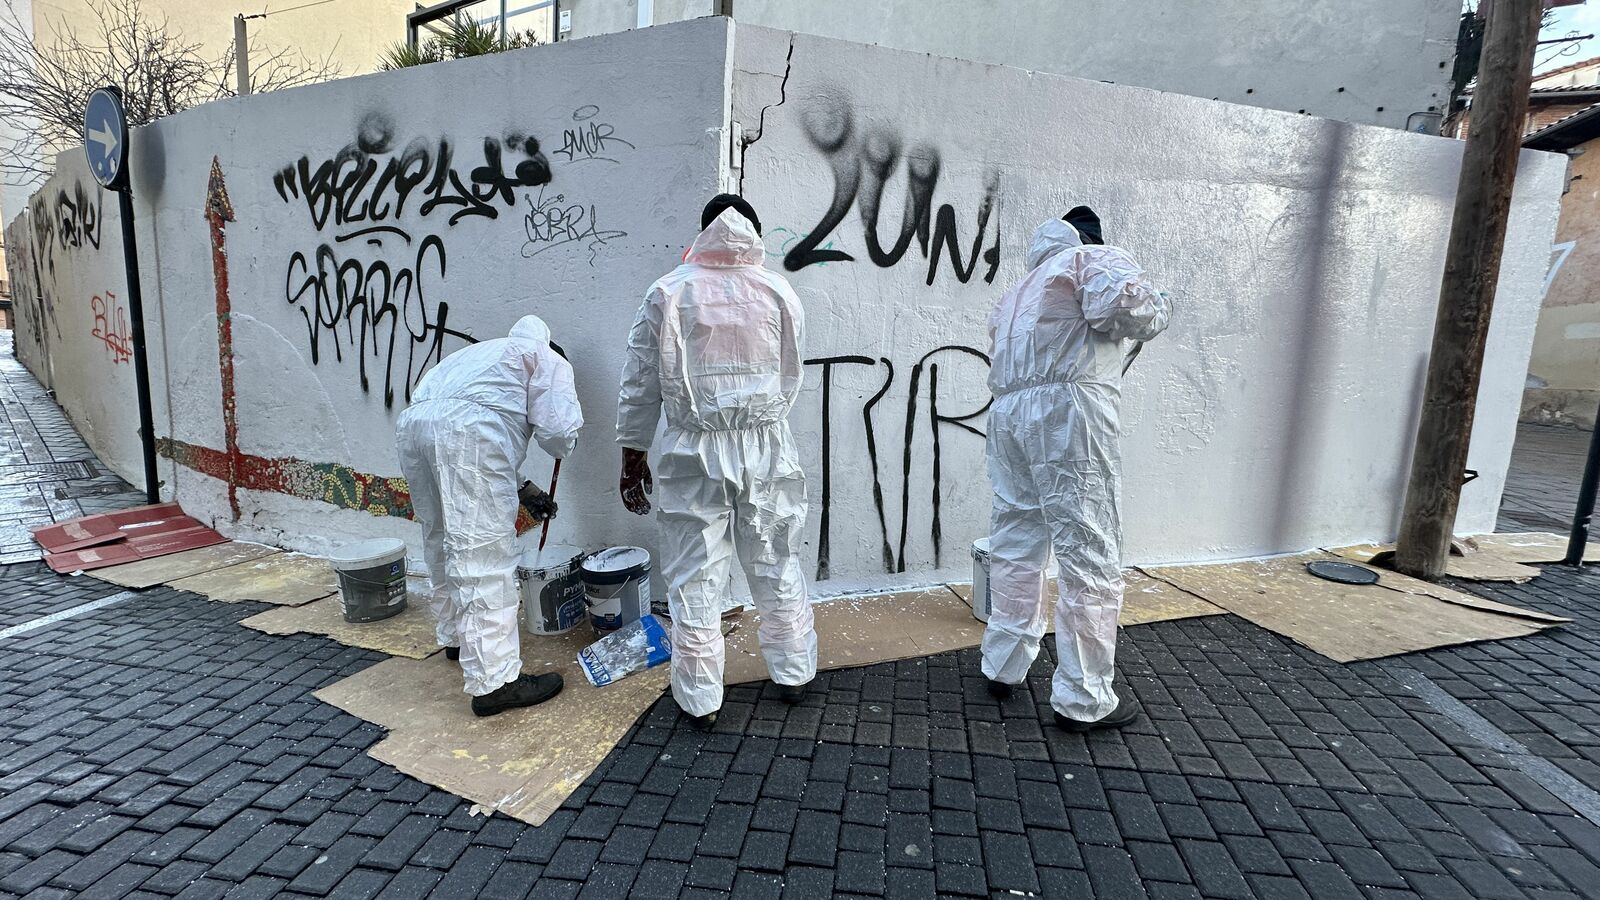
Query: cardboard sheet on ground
[[1478, 564], [1346, 622], [1532, 547], [860, 631], [163, 569], [287, 579], [524, 762], [408, 634]]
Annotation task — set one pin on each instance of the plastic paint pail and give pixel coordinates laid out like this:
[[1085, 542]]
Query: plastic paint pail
[[616, 583], [552, 592], [372, 579], [980, 601]]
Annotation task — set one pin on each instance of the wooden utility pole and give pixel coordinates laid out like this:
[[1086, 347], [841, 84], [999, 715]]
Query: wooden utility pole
[[1466, 297]]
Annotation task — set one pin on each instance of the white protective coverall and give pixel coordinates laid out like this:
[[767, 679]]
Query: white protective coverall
[[461, 442], [717, 343], [1054, 462]]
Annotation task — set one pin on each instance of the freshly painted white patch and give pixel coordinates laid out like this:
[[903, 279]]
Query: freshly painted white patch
[[1581, 331]]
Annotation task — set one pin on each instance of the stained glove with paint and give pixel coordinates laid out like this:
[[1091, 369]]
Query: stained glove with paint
[[716, 346], [636, 485], [537, 501], [1054, 461], [461, 442]]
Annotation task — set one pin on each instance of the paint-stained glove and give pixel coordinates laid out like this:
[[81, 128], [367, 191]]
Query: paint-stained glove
[[635, 482], [536, 501]]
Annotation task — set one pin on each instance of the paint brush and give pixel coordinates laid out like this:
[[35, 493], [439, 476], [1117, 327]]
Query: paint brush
[[555, 475]]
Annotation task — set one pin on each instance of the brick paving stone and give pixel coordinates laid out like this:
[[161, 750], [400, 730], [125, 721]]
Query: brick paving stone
[[200, 766]]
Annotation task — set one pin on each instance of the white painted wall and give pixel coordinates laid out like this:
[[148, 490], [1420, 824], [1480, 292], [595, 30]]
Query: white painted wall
[[1305, 256], [1369, 61]]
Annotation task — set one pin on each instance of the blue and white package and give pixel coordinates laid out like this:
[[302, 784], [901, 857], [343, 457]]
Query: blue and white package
[[637, 646]]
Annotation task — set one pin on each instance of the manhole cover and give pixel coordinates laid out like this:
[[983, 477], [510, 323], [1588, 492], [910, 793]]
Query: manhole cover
[[1342, 572], [30, 473]]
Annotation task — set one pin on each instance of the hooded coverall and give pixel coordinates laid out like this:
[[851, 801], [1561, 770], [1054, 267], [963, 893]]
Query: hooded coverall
[[461, 442], [717, 345], [1054, 461]]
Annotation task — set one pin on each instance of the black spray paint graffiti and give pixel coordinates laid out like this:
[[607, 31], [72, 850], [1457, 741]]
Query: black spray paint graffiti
[[590, 139], [63, 222], [374, 307], [368, 181], [863, 163], [894, 559], [382, 311], [551, 222]]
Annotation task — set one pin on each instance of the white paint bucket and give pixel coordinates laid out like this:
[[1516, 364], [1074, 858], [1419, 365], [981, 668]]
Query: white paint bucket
[[616, 583], [979, 601], [552, 592], [372, 579]]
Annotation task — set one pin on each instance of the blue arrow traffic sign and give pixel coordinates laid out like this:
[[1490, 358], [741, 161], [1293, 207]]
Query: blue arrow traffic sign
[[105, 138]]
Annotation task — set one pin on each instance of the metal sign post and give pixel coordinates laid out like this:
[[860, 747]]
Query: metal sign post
[[105, 143]]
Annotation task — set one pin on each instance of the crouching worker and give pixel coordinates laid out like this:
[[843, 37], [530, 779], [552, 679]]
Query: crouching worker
[[717, 344], [1056, 467], [461, 442]]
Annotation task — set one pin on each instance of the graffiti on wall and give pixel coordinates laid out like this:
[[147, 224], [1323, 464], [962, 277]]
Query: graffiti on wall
[[864, 160], [590, 138], [332, 483], [367, 289], [62, 222], [552, 222], [893, 544], [111, 326]]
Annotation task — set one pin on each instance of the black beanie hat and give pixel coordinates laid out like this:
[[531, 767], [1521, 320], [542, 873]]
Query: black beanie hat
[[728, 201], [1086, 222]]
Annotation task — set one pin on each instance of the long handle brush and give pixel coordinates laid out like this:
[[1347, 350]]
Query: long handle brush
[[554, 477]]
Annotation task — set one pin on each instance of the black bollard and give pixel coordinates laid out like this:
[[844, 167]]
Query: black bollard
[[1580, 520]]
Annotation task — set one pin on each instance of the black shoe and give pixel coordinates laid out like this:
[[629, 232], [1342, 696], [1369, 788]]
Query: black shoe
[[453, 654], [998, 689], [1126, 711], [792, 693], [527, 690], [703, 723]]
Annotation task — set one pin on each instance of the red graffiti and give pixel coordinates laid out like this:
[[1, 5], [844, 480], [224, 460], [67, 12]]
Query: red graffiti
[[111, 326]]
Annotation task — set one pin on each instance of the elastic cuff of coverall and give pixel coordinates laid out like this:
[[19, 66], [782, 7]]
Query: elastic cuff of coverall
[[707, 698], [489, 685]]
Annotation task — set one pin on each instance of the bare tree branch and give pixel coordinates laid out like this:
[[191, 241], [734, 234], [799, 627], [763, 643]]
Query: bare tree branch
[[46, 79]]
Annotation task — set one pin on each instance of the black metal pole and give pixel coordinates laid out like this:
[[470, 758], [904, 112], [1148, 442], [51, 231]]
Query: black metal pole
[[1580, 520], [141, 360]]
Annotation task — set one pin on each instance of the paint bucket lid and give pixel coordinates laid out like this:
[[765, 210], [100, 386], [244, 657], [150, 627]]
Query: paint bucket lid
[[553, 556], [616, 564], [1342, 572], [980, 549], [367, 554]]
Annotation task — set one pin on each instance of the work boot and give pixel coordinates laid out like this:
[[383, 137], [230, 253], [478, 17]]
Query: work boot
[[792, 693], [453, 654], [526, 690], [702, 723], [998, 689], [1127, 709]]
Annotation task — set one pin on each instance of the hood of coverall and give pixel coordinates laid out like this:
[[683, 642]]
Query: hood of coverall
[[1049, 239], [730, 240], [531, 330]]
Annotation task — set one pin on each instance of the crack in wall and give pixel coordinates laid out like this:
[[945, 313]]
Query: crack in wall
[[761, 120]]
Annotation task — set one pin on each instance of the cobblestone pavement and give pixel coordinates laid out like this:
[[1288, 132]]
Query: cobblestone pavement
[[47, 473], [154, 748]]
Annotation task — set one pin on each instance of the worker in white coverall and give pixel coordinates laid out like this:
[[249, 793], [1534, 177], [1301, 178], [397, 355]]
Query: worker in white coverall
[[717, 345], [1058, 339], [461, 442]]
